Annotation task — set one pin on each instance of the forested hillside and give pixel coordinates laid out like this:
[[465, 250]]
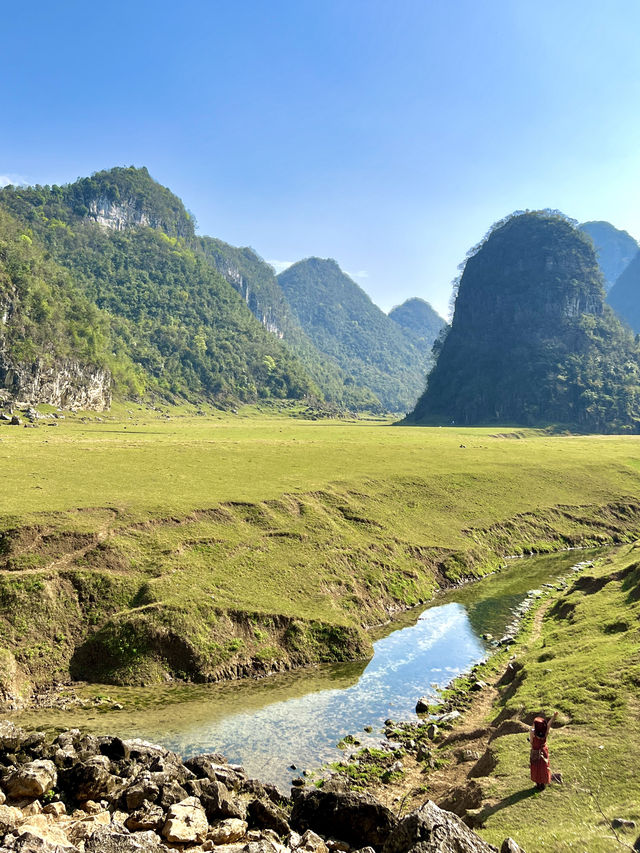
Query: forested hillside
[[53, 341], [343, 323], [175, 325], [615, 249], [531, 341], [418, 317], [256, 282]]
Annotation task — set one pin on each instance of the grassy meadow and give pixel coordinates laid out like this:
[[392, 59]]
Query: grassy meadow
[[584, 662], [144, 542]]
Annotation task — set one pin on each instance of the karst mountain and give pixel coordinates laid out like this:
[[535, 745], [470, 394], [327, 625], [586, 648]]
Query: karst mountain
[[532, 341]]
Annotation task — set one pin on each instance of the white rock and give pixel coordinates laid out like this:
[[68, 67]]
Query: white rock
[[186, 823], [227, 831]]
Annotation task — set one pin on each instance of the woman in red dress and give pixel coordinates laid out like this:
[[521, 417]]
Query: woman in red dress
[[539, 757]]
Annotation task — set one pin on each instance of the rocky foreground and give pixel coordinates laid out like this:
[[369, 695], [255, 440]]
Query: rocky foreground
[[107, 795]]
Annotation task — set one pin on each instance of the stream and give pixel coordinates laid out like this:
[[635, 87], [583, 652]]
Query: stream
[[298, 717]]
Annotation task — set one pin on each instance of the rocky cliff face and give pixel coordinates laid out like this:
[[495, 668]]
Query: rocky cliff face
[[65, 383], [121, 215], [531, 340]]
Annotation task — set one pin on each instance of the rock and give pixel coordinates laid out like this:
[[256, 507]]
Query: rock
[[32, 779], [432, 829], [43, 828], [478, 685], [422, 705], [510, 846], [312, 843], [227, 831], [621, 823], [448, 719], [106, 841], [433, 732], [172, 793], [464, 755], [337, 844], [356, 818], [3, 799], [218, 804], [89, 780], [57, 809], [15, 421], [10, 818], [267, 816], [11, 737], [146, 817], [144, 790], [186, 823]]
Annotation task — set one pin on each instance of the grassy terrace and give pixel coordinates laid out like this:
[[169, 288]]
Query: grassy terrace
[[214, 545], [585, 663]]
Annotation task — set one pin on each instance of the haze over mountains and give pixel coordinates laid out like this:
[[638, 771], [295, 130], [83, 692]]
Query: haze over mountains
[[106, 277], [615, 249]]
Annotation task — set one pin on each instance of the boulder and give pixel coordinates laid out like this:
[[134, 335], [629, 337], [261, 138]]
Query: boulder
[[218, 804], [430, 829], [11, 737], [10, 819], [227, 831], [422, 705], [107, 841], [357, 818], [312, 843], [186, 823], [267, 816], [172, 792], [32, 779], [510, 846], [146, 817], [90, 780], [145, 790]]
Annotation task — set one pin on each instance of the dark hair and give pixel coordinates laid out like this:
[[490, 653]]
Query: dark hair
[[540, 726]]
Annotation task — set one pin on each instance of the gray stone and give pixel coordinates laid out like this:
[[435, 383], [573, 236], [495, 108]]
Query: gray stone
[[430, 829], [510, 846]]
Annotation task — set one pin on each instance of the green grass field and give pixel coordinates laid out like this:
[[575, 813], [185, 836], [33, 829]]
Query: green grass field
[[585, 664], [213, 545]]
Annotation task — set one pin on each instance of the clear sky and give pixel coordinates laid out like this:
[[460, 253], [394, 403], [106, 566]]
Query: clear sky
[[387, 135]]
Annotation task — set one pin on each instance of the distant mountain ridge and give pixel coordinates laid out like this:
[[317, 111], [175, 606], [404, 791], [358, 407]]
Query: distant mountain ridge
[[624, 296], [532, 341], [615, 249], [420, 318], [344, 324]]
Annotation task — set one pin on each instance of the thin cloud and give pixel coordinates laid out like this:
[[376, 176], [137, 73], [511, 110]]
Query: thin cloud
[[359, 274], [17, 180], [281, 266]]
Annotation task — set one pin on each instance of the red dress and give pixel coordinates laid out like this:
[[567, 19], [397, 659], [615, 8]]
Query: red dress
[[539, 760]]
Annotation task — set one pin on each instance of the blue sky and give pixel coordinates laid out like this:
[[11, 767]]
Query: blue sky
[[387, 135]]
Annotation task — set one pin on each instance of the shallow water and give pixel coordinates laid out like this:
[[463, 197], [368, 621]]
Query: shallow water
[[297, 718]]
